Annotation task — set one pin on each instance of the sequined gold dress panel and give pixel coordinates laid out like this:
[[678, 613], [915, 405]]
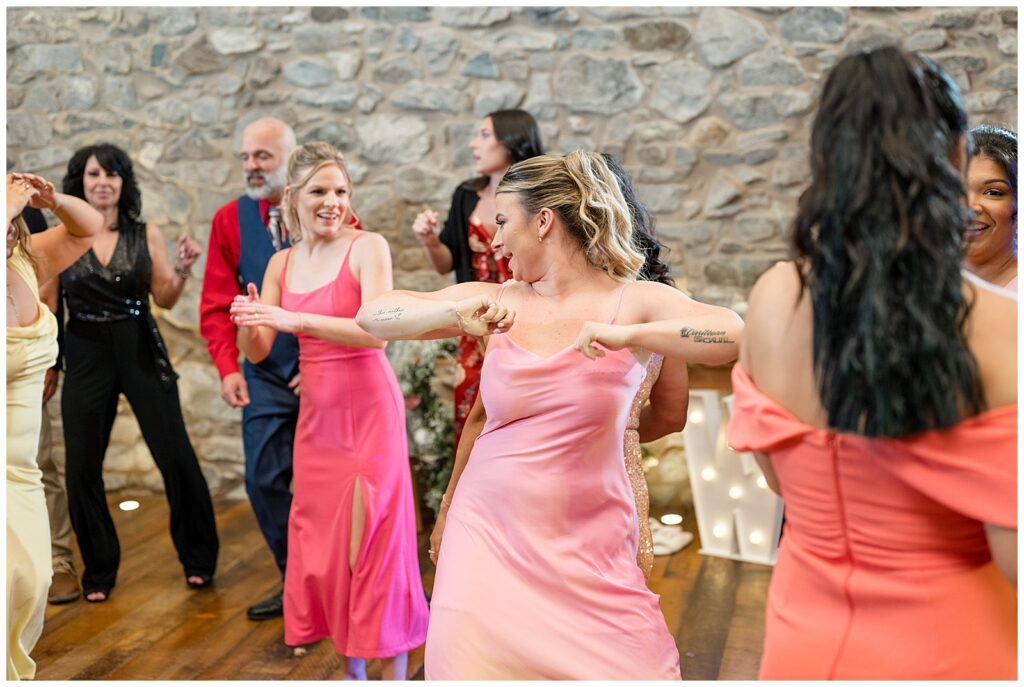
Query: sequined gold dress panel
[[635, 468]]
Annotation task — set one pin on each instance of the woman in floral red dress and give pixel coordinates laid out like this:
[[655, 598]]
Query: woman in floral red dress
[[463, 243]]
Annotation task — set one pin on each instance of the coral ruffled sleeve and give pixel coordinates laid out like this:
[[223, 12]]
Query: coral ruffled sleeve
[[970, 468], [757, 422]]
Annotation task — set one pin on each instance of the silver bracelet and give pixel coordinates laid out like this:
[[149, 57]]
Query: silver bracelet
[[184, 274]]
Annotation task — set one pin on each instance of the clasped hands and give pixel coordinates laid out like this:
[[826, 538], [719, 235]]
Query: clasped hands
[[247, 311], [29, 190]]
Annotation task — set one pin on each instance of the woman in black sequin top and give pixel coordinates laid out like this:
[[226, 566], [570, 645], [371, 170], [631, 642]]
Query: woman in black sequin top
[[112, 347]]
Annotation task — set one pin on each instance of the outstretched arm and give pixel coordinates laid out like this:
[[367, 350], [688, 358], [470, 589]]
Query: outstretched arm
[[668, 322], [471, 307]]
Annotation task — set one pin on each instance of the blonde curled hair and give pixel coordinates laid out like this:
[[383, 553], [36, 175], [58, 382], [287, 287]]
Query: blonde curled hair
[[24, 242], [585, 195], [305, 161]]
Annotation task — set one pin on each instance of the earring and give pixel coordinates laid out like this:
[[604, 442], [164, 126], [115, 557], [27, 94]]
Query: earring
[[540, 239]]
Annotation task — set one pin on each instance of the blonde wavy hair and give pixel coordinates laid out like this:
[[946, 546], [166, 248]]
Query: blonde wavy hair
[[585, 195], [24, 242], [305, 161]]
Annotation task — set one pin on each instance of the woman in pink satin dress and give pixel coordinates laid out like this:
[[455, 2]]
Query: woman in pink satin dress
[[877, 382], [353, 571], [537, 577]]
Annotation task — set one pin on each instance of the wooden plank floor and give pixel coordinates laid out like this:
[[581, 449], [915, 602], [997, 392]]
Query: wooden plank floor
[[155, 628]]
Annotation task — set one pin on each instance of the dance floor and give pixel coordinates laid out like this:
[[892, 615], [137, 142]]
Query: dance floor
[[154, 627]]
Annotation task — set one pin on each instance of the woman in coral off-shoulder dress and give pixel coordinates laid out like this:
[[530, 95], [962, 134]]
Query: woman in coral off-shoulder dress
[[353, 573], [537, 575], [877, 384]]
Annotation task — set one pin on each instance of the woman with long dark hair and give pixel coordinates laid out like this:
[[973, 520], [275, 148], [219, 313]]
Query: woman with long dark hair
[[877, 386], [113, 346], [991, 239], [463, 244]]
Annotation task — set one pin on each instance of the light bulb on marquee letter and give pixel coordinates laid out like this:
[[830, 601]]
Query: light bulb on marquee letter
[[708, 474]]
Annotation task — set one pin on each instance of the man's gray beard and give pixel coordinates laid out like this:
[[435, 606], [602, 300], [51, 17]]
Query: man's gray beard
[[273, 185]]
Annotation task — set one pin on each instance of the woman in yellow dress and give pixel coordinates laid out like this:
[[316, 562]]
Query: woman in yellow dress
[[31, 350]]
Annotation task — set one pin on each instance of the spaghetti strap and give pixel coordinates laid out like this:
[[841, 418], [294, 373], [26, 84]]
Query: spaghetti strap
[[284, 270], [618, 304], [350, 246], [501, 291]]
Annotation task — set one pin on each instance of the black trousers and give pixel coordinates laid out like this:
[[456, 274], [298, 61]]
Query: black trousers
[[103, 361]]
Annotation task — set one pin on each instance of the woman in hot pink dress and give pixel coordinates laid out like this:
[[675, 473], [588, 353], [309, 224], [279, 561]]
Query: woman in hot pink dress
[[537, 576], [353, 573], [878, 384]]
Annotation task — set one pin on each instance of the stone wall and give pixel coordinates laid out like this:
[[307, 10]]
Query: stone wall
[[709, 107]]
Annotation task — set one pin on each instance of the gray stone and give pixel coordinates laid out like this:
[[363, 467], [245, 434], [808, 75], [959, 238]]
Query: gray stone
[[171, 111], [378, 36], [698, 238], [439, 50], [337, 97], [923, 41], [158, 55], [131, 21], [346, 64], [15, 96], [748, 176], [205, 110], [723, 36], [397, 70], [44, 58], [1007, 42], [76, 92], [870, 36], [790, 173], [524, 39], [227, 16], [990, 101], [119, 93], [619, 130], [341, 137], [538, 99], [473, 17], [235, 41], [598, 38], [814, 25], [972, 64], [658, 131], [690, 209], [751, 269], [612, 14], [562, 16], [684, 158], [722, 271], [567, 144], [199, 57], [423, 185], [192, 145], [657, 35], [177, 21], [575, 85], [660, 198], [263, 70], [407, 40], [723, 189], [770, 68], [497, 95], [417, 95], [653, 155], [513, 66], [646, 61], [949, 18], [369, 100], [326, 15], [229, 84], [307, 73], [682, 90], [580, 125], [542, 61], [751, 139], [481, 66], [318, 39], [397, 139], [707, 132], [71, 123], [1008, 17], [40, 161], [754, 228], [756, 111], [357, 171], [395, 15], [1003, 77], [28, 129]]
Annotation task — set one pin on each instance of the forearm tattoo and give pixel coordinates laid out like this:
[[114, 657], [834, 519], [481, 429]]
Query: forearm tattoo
[[388, 314], [711, 336]]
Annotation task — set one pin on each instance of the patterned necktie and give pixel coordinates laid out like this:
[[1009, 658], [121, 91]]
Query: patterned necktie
[[274, 227]]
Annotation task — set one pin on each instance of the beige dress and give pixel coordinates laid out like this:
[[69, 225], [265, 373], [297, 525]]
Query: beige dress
[[31, 350], [635, 468]]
